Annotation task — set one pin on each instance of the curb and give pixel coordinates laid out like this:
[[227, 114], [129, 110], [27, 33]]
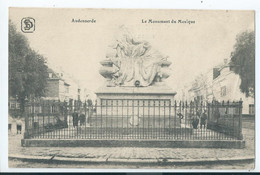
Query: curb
[[237, 144], [54, 159]]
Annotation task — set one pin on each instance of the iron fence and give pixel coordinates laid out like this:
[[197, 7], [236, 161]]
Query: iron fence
[[134, 119]]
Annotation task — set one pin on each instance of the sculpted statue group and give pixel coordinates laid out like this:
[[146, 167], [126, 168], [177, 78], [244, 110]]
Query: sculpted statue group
[[134, 63]]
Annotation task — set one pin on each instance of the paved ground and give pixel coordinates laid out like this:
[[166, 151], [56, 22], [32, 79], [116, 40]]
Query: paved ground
[[134, 157], [87, 133], [245, 165]]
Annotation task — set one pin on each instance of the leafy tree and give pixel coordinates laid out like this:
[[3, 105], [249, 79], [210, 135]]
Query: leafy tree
[[243, 61], [27, 69]]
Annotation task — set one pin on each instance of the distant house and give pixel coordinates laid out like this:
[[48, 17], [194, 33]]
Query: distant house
[[219, 83], [15, 125], [57, 88], [226, 86]]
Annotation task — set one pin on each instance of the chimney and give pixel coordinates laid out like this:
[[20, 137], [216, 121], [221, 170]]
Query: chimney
[[78, 94]]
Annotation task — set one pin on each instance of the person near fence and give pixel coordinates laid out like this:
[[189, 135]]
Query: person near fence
[[195, 120], [19, 126], [89, 113], [82, 118], [180, 116], [203, 119], [216, 115], [75, 118]]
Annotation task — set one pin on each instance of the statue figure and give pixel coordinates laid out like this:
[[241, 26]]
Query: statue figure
[[134, 63]]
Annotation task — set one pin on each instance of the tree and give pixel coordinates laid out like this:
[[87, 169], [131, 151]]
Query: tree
[[27, 69], [243, 61]]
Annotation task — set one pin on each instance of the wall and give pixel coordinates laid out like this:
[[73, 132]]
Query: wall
[[52, 88], [61, 91]]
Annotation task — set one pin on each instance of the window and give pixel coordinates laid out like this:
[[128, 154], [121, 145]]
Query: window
[[37, 109], [223, 91], [12, 106], [50, 75], [52, 109], [30, 109], [251, 109]]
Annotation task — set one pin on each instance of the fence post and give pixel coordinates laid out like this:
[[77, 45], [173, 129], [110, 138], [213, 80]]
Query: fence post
[[208, 111], [26, 112], [240, 135]]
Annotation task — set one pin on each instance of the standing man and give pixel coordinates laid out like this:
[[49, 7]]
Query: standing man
[[82, 118], [195, 120], [75, 118], [203, 119]]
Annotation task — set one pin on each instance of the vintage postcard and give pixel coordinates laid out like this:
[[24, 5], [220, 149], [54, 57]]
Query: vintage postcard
[[131, 88]]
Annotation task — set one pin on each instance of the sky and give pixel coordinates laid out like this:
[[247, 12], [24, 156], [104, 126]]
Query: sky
[[78, 48]]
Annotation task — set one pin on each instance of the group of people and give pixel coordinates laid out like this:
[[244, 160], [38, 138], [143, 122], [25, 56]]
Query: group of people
[[78, 118], [199, 118]]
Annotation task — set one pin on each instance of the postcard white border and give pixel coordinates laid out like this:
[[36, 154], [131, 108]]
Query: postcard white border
[[140, 4]]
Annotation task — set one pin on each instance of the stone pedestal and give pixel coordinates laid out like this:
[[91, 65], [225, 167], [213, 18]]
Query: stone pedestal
[[147, 107], [154, 92]]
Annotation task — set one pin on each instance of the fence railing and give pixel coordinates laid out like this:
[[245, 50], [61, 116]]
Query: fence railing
[[134, 119]]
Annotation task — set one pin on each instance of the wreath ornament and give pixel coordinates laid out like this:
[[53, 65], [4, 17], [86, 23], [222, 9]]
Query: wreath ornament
[[134, 120]]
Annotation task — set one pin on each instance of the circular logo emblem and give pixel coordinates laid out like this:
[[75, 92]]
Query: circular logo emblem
[[28, 25]]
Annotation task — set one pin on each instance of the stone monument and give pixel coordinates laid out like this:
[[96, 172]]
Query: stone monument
[[134, 70]]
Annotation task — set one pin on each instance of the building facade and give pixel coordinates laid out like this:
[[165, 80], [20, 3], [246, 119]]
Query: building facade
[[57, 88], [226, 86], [219, 83]]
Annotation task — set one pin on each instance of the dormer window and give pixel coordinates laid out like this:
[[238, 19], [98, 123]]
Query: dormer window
[[50, 75]]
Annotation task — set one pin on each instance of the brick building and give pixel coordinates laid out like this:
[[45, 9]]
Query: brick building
[[57, 88]]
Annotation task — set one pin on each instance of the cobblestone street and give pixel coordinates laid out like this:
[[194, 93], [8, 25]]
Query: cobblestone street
[[161, 155]]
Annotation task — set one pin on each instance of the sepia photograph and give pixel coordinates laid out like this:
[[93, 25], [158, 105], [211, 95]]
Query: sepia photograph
[[131, 88]]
